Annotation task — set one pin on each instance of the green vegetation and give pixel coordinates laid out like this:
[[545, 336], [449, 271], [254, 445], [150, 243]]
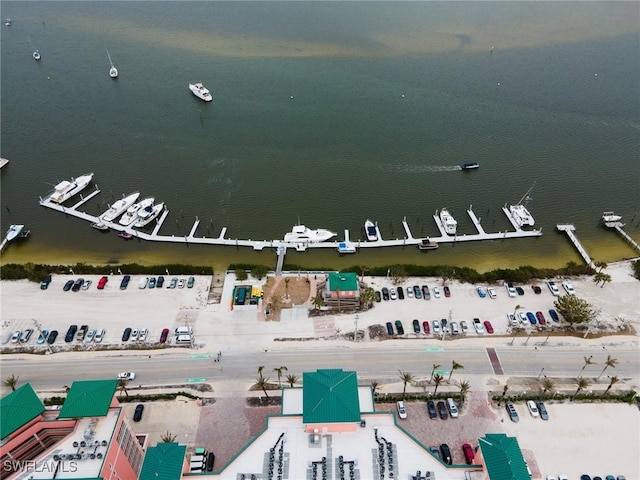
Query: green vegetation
[[636, 269], [575, 309]]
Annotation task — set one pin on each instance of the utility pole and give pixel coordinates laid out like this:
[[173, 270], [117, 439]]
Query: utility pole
[[540, 374], [355, 333], [528, 337], [39, 328]]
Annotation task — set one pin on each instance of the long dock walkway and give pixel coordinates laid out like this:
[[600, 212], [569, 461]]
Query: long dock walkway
[[625, 235], [569, 229]]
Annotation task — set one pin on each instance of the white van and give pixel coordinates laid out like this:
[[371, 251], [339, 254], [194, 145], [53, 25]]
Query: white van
[[183, 340], [184, 331], [453, 409]]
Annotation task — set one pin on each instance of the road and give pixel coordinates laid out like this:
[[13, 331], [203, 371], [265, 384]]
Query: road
[[46, 373]]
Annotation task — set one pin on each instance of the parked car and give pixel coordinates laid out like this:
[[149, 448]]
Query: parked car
[[102, 282], [160, 281], [511, 289], [536, 289], [464, 327], [385, 293], [392, 294], [436, 292], [436, 327], [137, 414], [43, 337], [68, 285], [511, 410], [492, 292], [142, 335], [416, 291], [426, 294], [181, 283], [82, 332], [540, 318], [520, 290], [44, 284], [142, 283], [378, 296], [431, 408], [481, 292], [52, 337], [544, 415], [533, 409], [86, 285], [416, 326], [554, 315], [164, 335], [402, 411], [425, 327], [124, 283], [400, 293], [454, 328], [126, 376], [134, 334], [152, 282], [513, 321], [390, 328], [488, 326], [399, 327], [410, 292], [90, 335], [442, 410], [26, 335], [173, 283], [568, 288], [99, 335], [126, 334], [77, 285], [446, 454], [532, 318], [477, 324], [523, 318], [468, 453], [447, 291], [435, 451], [71, 333], [553, 288]]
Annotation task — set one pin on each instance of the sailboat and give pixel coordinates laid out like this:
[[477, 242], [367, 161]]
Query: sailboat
[[113, 71]]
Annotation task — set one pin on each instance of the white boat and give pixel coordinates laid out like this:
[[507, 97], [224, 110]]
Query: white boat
[[427, 244], [132, 212], [346, 247], [300, 233], [7, 22], [448, 222], [100, 226], [14, 232], [519, 212], [65, 189], [113, 71], [36, 55], [371, 231], [200, 91], [147, 214], [119, 207], [610, 219]]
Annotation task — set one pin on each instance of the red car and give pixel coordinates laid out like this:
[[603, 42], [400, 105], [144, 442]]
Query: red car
[[164, 335], [468, 453], [447, 292], [541, 319], [488, 326], [102, 282], [425, 326]]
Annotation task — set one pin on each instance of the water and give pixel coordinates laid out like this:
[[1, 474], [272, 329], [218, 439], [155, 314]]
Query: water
[[329, 113]]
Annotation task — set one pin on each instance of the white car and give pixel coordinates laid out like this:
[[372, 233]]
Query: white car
[[523, 318], [402, 411], [409, 291], [91, 334], [533, 409], [477, 324], [134, 334], [16, 336], [568, 288], [511, 290], [392, 294], [436, 326], [553, 288], [436, 292], [492, 292], [513, 321], [126, 376], [181, 283], [142, 334], [99, 335], [86, 285], [142, 283]]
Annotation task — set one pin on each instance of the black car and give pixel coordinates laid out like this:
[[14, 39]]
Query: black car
[[400, 293], [52, 336], [544, 415], [416, 326], [68, 285], [71, 333], [211, 458], [416, 291], [44, 284], [160, 281], [390, 328], [385, 293], [520, 290], [446, 454], [77, 285], [124, 283], [399, 327], [426, 294], [447, 291], [431, 408], [137, 415], [442, 410], [126, 334], [378, 296], [511, 410]]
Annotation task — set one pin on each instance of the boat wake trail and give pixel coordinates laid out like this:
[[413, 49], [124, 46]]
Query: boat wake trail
[[417, 168]]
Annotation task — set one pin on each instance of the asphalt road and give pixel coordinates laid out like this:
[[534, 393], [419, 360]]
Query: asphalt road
[[381, 363]]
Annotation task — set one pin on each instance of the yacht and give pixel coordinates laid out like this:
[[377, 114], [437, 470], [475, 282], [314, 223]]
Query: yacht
[[147, 214], [132, 212], [519, 212], [448, 222], [300, 233], [371, 231], [611, 219], [36, 55], [65, 189], [119, 207], [200, 91], [427, 244], [15, 232]]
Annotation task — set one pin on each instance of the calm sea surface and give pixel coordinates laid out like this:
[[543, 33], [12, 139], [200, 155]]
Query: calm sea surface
[[330, 113]]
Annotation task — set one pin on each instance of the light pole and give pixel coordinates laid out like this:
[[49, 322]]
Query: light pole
[[540, 374], [355, 333]]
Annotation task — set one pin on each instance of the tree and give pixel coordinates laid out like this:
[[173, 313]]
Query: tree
[[168, 437], [601, 277], [515, 310], [575, 309], [367, 296], [547, 386], [292, 380], [454, 366], [122, 386], [260, 369], [433, 370], [11, 381], [505, 389], [259, 271], [587, 361], [398, 274], [582, 384], [516, 330], [241, 274], [406, 377], [609, 362], [600, 265], [375, 386], [612, 381], [262, 383], [279, 371], [437, 380], [318, 301], [464, 389]]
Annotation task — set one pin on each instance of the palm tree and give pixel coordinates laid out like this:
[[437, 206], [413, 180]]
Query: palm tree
[[612, 381], [518, 307], [375, 385], [437, 380], [66, 389], [168, 437], [260, 368], [582, 384], [122, 385], [609, 362], [262, 383], [464, 389], [547, 386], [600, 265], [279, 371], [587, 361], [406, 377], [433, 370], [504, 392], [318, 301], [292, 380], [454, 366], [11, 381]]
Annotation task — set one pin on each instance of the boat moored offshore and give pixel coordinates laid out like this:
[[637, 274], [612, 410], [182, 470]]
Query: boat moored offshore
[[449, 223], [200, 91], [66, 189], [300, 233]]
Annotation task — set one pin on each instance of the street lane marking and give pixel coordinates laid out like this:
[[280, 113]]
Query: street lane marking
[[200, 355], [434, 349], [196, 380]]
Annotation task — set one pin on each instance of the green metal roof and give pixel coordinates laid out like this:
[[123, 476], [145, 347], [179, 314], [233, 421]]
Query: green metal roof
[[330, 396], [18, 408], [502, 457], [89, 398], [345, 282], [163, 462]]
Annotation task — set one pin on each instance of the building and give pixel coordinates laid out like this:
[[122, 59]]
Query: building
[[340, 291]]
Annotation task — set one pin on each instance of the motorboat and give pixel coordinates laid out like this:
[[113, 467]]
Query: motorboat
[[147, 214], [131, 214], [346, 247], [200, 91], [448, 222], [113, 71], [7, 22], [519, 211], [119, 207], [300, 233], [371, 231], [100, 226], [427, 244], [16, 232], [469, 165], [125, 235], [67, 189], [610, 219], [36, 55]]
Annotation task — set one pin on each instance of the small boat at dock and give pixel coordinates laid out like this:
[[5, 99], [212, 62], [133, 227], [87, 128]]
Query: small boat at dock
[[16, 232], [100, 226], [131, 214], [427, 244], [610, 219], [371, 231], [119, 207], [125, 235], [519, 212], [448, 222], [146, 215], [346, 247]]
